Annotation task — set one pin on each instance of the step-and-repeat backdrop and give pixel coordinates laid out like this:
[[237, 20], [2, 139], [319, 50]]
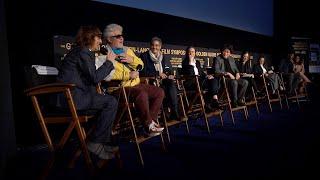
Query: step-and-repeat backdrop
[[176, 53]]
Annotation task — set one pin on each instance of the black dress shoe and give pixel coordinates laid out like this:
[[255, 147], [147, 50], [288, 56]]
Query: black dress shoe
[[215, 105], [241, 103], [175, 116], [234, 104], [208, 108]]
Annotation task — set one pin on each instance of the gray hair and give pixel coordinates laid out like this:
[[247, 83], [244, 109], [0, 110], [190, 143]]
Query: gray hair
[[110, 29], [156, 39]]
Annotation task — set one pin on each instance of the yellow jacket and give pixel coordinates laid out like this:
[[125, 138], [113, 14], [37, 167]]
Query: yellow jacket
[[122, 72]]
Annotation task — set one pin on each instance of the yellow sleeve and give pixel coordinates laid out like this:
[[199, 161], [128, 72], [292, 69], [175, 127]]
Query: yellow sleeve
[[136, 60], [121, 72]]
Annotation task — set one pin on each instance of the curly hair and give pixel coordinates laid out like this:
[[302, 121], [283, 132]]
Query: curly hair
[[86, 34]]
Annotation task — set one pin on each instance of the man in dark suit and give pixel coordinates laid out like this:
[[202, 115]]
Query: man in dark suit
[[225, 65], [78, 68], [156, 65], [292, 79]]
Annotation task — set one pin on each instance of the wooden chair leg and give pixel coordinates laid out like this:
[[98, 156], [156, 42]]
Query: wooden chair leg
[[297, 98], [84, 147], [184, 113], [279, 97], [268, 96], [255, 100], [166, 124], [221, 119]]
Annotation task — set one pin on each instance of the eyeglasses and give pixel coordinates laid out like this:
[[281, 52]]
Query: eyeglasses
[[118, 36]]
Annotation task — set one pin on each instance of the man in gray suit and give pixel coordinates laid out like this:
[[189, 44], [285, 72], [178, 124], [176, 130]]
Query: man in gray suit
[[225, 65]]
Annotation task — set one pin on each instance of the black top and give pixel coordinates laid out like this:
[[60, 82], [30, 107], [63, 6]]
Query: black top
[[286, 66], [246, 67], [258, 70], [188, 69]]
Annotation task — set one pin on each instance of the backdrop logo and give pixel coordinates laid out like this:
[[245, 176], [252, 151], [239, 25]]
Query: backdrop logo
[[68, 46]]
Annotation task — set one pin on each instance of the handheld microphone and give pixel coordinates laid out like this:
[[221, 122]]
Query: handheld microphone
[[103, 50], [139, 67]]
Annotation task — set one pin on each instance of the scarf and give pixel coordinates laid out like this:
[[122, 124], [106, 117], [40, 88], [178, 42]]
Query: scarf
[[157, 61], [118, 51]]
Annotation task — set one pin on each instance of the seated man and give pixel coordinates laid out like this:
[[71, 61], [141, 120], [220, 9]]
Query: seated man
[[78, 67], [155, 64], [225, 65], [148, 99], [292, 79], [245, 68]]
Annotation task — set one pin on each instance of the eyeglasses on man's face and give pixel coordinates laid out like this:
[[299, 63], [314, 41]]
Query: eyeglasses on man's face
[[117, 36]]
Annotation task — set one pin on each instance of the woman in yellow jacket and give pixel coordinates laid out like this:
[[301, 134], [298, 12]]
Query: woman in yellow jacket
[[147, 98]]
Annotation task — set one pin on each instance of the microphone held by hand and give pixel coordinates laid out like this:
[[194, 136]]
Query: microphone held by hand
[[103, 50], [139, 67]]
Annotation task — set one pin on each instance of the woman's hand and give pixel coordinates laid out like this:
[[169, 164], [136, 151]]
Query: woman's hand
[[111, 56]]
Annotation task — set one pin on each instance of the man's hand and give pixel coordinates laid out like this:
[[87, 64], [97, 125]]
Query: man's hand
[[171, 77], [230, 75], [163, 76], [126, 58], [210, 77], [237, 76], [134, 74]]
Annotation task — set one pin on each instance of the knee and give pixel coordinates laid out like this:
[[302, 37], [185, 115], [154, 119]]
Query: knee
[[245, 83], [113, 102], [161, 93], [234, 83], [142, 95]]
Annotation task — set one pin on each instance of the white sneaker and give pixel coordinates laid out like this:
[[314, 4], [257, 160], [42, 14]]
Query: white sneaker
[[154, 127]]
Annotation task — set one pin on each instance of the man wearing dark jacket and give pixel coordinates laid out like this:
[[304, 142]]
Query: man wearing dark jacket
[[292, 79], [225, 65], [156, 65]]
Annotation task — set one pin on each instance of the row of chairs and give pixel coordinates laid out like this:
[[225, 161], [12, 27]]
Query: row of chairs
[[192, 104]]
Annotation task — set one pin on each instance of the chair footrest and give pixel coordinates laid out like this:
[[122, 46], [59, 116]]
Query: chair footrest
[[55, 120]]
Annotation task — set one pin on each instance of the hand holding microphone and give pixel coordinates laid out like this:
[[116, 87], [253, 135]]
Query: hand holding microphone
[[135, 74], [109, 56], [126, 58]]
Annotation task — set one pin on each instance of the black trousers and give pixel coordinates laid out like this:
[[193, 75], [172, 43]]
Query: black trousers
[[106, 107], [213, 86], [170, 91], [252, 83], [234, 84], [292, 80]]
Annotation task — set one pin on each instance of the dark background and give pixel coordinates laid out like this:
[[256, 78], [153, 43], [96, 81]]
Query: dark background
[[27, 29]]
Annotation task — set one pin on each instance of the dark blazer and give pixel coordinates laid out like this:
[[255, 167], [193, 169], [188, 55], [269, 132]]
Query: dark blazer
[[286, 66], [188, 69], [78, 67], [150, 70], [258, 70], [247, 67], [222, 65]]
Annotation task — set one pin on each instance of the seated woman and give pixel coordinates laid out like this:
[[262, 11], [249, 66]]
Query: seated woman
[[298, 68], [147, 98], [261, 69], [156, 64], [78, 67], [190, 67], [246, 71]]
